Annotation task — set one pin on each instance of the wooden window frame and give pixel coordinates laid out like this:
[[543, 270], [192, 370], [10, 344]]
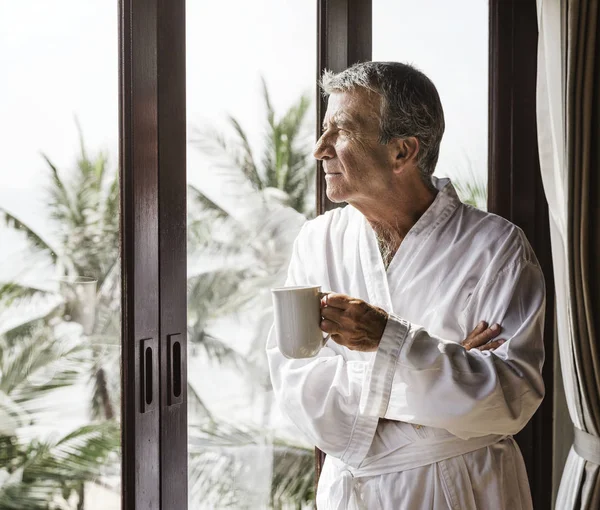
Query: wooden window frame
[[139, 253], [152, 167], [153, 253]]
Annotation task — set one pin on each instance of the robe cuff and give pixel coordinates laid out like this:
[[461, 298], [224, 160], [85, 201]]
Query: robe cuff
[[377, 386]]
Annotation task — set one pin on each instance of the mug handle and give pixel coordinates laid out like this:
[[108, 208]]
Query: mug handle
[[325, 339]]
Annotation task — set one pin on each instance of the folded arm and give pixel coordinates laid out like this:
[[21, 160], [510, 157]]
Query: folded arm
[[420, 378]]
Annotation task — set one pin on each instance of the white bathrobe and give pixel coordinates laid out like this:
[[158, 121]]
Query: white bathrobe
[[422, 423]]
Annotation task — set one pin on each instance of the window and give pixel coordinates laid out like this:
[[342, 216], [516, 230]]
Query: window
[[59, 263], [250, 110], [448, 41]]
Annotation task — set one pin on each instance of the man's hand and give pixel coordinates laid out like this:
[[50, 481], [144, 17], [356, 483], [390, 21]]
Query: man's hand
[[359, 326], [352, 322], [480, 337]]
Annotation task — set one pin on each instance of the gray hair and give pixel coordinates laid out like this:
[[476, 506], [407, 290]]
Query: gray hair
[[410, 104]]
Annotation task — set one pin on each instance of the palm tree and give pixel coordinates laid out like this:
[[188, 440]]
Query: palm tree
[[285, 169], [34, 367], [252, 253], [252, 249], [239, 256], [230, 465], [84, 210]]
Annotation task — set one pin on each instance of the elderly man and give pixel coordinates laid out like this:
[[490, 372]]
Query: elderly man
[[411, 416]]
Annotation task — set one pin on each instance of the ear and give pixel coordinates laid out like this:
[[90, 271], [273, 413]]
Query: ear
[[406, 151]]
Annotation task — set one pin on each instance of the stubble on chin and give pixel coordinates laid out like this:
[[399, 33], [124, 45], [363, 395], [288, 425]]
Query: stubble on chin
[[335, 194]]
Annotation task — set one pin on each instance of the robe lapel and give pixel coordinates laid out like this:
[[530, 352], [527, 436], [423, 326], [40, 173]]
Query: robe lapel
[[373, 269], [381, 284]]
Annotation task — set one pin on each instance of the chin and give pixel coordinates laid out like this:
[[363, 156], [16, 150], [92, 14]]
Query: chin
[[336, 196]]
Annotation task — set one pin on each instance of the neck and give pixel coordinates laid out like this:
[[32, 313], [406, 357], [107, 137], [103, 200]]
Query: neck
[[395, 211]]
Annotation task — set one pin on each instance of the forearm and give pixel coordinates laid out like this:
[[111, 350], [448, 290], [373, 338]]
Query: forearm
[[438, 383], [321, 396]]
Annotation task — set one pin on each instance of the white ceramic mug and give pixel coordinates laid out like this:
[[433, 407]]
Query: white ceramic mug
[[297, 319]]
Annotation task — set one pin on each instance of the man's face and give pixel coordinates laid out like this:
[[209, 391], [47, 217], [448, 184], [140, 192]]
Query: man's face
[[356, 165]]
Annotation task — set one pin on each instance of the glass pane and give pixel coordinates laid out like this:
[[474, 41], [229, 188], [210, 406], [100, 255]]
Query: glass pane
[[448, 41], [59, 262], [251, 118]]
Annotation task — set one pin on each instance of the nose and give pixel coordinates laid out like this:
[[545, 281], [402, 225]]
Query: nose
[[323, 149]]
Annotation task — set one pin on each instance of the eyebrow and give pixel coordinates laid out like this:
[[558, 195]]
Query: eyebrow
[[340, 119]]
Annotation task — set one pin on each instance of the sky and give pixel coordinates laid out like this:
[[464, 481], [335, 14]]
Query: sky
[[62, 65]]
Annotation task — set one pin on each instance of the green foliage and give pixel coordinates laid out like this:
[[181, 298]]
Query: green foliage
[[83, 206], [245, 256], [219, 474], [34, 472], [286, 162], [471, 187], [35, 362]]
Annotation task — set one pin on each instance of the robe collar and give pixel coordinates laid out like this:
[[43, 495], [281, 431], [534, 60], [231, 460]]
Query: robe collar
[[378, 280]]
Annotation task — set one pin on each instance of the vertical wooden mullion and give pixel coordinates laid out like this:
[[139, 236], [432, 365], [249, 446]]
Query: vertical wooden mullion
[[515, 192], [172, 253], [344, 37], [139, 255]]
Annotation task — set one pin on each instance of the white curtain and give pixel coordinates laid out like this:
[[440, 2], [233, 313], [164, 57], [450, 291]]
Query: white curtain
[[554, 118]]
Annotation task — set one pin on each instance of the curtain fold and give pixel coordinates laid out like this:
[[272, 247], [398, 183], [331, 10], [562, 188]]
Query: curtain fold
[[568, 115]]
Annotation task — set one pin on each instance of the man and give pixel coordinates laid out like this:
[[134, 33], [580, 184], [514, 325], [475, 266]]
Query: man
[[411, 416]]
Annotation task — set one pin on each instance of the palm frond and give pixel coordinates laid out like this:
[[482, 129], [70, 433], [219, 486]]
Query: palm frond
[[226, 159], [111, 207], [209, 292], [81, 455], [27, 328], [43, 474], [11, 292], [15, 494], [470, 184], [219, 455], [472, 193], [61, 204], [293, 475], [215, 349], [268, 103], [287, 152], [35, 240], [197, 409], [245, 158], [39, 364], [206, 202]]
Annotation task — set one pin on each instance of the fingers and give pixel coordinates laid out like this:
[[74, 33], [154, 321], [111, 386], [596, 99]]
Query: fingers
[[480, 328], [338, 300], [491, 345], [329, 326], [476, 340], [333, 314]]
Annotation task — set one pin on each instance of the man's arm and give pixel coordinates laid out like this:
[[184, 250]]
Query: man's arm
[[321, 395], [419, 378]]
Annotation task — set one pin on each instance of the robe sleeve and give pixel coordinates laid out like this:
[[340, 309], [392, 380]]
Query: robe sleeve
[[321, 395], [419, 378]]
